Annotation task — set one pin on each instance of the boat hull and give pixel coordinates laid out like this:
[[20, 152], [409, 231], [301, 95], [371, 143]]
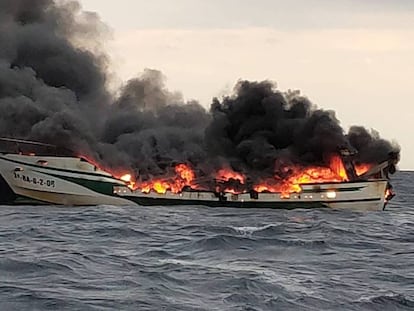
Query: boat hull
[[361, 195]]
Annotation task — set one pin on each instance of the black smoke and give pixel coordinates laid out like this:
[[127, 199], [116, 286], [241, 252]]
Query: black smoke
[[54, 88], [262, 130]]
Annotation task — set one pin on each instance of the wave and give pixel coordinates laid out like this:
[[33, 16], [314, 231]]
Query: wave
[[239, 270], [9, 266], [119, 232], [390, 301], [265, 230], [221, 242]]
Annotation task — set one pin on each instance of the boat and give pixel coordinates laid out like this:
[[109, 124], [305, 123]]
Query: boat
[[58, 177], [361, 195], [52, 176]]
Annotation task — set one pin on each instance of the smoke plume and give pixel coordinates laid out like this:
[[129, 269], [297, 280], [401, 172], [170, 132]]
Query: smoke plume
[[53, 88]]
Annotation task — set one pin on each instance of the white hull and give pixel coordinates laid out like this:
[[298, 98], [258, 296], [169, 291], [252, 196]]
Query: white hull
[[360, 195], [54, 183]]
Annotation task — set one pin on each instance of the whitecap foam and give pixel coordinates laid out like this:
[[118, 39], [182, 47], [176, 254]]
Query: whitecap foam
[[288, 282], [250, 230]]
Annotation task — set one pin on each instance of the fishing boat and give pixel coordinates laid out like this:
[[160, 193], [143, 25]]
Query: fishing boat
[[361, 195], [52, 176], [58, 177]]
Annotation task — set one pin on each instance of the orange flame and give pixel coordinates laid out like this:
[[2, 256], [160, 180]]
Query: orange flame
[[337, 167], [388, 194], [227, 174], [301, 176], [362, 169], [184, 176], [127, 178], [185, 173]]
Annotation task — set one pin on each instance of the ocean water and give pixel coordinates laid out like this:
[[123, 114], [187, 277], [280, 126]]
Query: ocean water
[[199, 258]]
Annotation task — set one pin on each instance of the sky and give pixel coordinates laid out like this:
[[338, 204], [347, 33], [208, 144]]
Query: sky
[[354, 57]]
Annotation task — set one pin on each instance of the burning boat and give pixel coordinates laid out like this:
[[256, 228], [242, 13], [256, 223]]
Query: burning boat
[[363, 188], [255, 147], [58, 177]]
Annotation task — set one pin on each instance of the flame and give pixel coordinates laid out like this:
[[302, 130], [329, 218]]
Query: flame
[[160, 186], [185, 173], [127, 178], [362, 169], [227, 174], [389, 194], [231, 190], [183, 176], [236, 179], [301, 176], [337, 166]]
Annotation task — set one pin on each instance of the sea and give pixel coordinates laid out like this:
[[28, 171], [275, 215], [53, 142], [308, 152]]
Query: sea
[[201, 258]]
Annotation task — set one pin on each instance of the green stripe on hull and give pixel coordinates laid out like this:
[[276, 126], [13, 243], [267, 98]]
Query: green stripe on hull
[[102, 187]]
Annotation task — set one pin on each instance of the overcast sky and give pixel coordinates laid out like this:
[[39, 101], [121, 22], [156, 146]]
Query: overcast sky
[[355, 57]]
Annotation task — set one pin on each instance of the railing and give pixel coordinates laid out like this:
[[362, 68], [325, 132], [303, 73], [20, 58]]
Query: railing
[[26, 147]]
